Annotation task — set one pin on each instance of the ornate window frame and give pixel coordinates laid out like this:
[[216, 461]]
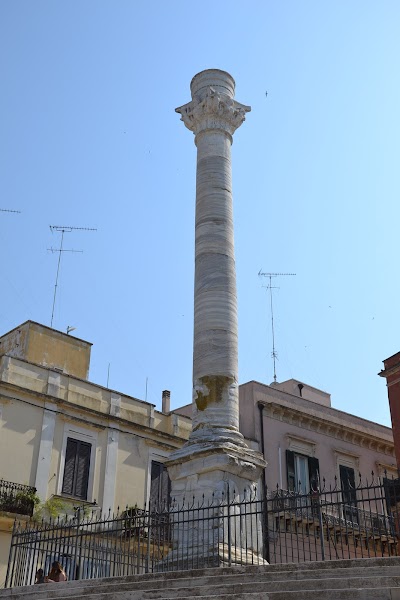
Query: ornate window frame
[[301, 445]]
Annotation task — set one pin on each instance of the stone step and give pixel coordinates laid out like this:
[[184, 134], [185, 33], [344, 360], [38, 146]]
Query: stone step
[[129, 590], [198, 586], [381, 593], [349, 566], [233, 575], [232, 590], [384, 573]]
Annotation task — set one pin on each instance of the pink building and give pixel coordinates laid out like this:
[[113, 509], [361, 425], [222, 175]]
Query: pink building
[[304, 439]]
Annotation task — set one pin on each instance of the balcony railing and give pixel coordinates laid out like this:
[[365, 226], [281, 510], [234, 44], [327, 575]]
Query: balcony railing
[[330, 523], [17, 498]]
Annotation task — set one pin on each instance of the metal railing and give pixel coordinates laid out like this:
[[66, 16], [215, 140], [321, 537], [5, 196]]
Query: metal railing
[[225, 530], [330, 523], [16, 498], [327, 523]]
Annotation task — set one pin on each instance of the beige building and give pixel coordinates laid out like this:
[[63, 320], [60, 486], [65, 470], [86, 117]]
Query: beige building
[[71, 439]]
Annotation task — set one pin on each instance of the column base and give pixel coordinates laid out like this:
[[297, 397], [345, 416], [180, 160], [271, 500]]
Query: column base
[[217, 515], [221, 456], [215, 557]]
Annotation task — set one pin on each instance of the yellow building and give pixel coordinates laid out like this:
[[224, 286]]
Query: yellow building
[[71, 439]]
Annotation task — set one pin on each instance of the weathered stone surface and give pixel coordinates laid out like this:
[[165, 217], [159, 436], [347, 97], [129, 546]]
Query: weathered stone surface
[[216, 456], [365, 579], [213, 116]]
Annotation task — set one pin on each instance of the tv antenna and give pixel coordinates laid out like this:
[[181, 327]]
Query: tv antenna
[[63, 229], [10, 210], [270, 287]]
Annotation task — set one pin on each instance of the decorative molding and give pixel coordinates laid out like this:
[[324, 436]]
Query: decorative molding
[[392, 382], [301, 445], [216, 111], [346, 459], [390, 371], [391, 470], [319, 425]]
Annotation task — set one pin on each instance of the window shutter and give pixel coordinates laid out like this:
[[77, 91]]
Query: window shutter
[[290, 470], [155, 483], [392, 492], [76, 468], [165, 487], [347, 481], [160, 487], [313, 472], [82, 470], [349, 494], [69, 468]]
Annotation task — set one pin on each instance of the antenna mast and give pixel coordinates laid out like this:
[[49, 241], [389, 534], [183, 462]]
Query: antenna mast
[[270, 287], [63, 229]]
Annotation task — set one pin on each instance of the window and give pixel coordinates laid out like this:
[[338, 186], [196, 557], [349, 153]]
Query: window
[[392, 492], [76, 468], [160, 486], [349, 493], [302, 472]]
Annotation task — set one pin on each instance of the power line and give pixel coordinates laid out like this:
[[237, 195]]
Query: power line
[[270, 287], [63, 229]]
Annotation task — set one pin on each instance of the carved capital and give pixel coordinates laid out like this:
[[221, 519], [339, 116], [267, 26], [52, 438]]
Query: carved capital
[[216, 111]]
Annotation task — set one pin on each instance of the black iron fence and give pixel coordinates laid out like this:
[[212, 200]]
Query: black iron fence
[[17, 498], [327, 523], [331, 523], [197, 534]]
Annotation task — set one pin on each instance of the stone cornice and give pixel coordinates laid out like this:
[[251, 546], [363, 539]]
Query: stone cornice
[[67, 410], [324, 427], [387, 372], [215, 111]]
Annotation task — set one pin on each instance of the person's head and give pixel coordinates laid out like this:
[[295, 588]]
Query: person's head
[[56, 567], [39, 577]]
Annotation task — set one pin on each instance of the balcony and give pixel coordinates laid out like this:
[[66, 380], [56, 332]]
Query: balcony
[[16, 498]]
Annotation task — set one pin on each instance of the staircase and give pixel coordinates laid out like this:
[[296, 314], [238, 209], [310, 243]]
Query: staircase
[[372, 579]]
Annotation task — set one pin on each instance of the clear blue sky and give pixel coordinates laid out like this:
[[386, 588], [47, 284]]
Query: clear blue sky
[[89, 138]]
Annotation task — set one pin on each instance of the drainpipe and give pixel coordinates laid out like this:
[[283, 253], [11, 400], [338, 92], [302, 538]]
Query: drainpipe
[[261, 409], [264, 484]]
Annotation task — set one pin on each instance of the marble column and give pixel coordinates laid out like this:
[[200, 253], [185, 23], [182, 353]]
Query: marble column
[[216, 456], [213, 116]]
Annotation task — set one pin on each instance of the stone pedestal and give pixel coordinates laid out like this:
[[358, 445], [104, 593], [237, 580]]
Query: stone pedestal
[[216, 458], [218, 518]]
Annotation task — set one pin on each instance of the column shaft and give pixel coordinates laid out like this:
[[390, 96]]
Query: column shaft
[[215, 357]]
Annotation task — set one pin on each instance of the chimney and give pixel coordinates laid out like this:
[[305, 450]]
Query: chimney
[[166, 402], [391, 373]]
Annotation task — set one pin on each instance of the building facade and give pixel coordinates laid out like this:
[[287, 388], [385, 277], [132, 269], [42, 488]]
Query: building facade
[[75, 442], [305, 440], [79, 444]]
